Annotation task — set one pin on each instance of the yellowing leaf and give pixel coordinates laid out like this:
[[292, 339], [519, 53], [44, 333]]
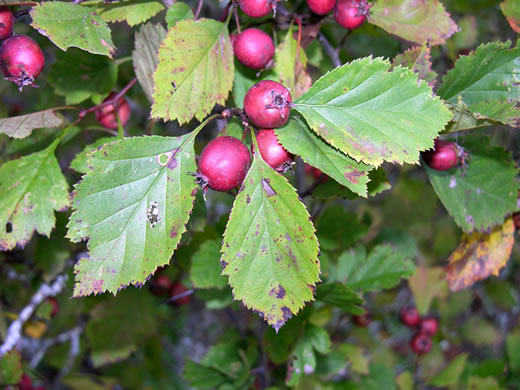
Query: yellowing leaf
[[480, 255], [427, 284], [35, 329]]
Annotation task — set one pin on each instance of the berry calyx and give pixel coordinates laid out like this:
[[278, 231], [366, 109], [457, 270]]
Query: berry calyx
[[267, 104], [421, 343], [223, 164], [6, 23], [178, 289], [321, 7], [106, 115], [21, 60], [444, 156], [351, 14], [363, 320], [257, 8], [429, 326], [253, 48], [272, 152], [409, 316]]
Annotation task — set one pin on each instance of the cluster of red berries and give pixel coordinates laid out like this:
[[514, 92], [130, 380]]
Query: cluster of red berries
[[427, 327], [350, 14], [162, 285], [444, 155], [21, 59]]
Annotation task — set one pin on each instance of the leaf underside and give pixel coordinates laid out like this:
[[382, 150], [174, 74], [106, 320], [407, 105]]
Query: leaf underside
[[22, 126]]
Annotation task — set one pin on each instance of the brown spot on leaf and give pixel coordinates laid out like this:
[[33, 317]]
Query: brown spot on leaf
[[353, 176], [173, 232], [267, 188]]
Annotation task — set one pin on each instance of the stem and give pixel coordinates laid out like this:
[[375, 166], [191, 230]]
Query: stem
[[226, 12], [236, 19], [299, 42], [343, 40], [199, 8], [179, 296], [331, 52], [113, 101]]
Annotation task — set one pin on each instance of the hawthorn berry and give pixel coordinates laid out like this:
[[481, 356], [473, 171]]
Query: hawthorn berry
[[421, 343], [409, 316], [6, 23], [363, 319], [253, 48], [223, 164], [55, 307], [21, 60], [351, 14], [257, 8], [25, 382], [445, 155], [106, 115], [178, 289], [267, 104], [272, 152], [429, 325], [321, 7], [160, 285]]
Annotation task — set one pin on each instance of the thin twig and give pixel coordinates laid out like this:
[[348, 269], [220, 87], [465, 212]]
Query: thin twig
[[71, 335], [113, 101], [179, 296], [15, 329], [199, 8], [331, 52]]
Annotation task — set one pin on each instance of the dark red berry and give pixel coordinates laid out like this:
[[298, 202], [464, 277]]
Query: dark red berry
[[409, 316], [106, 115], [21, 60], [321, 7], [272, 152], [55, 307], [421, 343], [178, 289], [363, 319], [25, 382], [445, 155], [254, 48], [351, 14], [6, 23], [516, 220], [316, 173], [223, 164], [429, 326], [160, 285], [267, 104], [257, 8]]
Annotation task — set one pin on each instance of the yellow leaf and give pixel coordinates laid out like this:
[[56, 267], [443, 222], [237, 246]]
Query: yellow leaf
[[35, 329], [480, 255]]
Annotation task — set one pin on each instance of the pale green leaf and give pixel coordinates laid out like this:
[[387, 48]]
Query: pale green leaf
[[341, 296], [11, 367], [177, 12], [418, 59], [133, 12], [426, 285], [373, 114], [451, 374], [72, 25], [22, 126], [195, 70], [205, 266]]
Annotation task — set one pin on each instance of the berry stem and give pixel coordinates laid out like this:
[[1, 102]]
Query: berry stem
[[226, 12], [237, 21], [199, 8], [179, 296]]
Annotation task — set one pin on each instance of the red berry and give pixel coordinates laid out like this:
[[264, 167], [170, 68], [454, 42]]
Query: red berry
[[223, 164], [257, 8], [272, 152], [254, 48], [21, 60], [106, 116], [444, 156], [160, 285], [55, 307], [321, 7], [267, 104], [363, 319], [351, 14], [178, 289], [25, 382], [421, 343], [6, 23], [429, 326], [409, 316]]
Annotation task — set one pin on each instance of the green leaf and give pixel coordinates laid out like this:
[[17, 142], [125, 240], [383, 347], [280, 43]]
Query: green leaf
[[144, 57], [338, 229], [451, 374], [270, 252], [419, 23], [513, 351], [504, 112], [31, 188], [511, 10], [382, 268], [195, 70], [177, 12], [79, 163], [479, 195], [381, 377], [372, 114], [202, 377], [298, 139], [418, 59], [133, 12], [72, 25], [22, 126], [341, 296], [332, 189], [427, 284], [78, 75], [133, 207], [11, 368], [280, 345], [205, 268], [464, 118]]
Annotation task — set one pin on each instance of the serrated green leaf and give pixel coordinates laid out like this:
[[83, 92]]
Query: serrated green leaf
[[78, 75], [202, 377], [341, 296], [31, 189], [195, 70], [380, 269], [79, 163], [372, 114], [22, 126], [511, 10], [464, 118], [72, 25], [504, 112], [205, 267], [451, 374], [418, 59], [177, 12], [332, 189], [133, 207], [419, 23], [298, 139], [338, 229], [144, 57], [270, 251], [479, 195], [133, 12], [11, 368]]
